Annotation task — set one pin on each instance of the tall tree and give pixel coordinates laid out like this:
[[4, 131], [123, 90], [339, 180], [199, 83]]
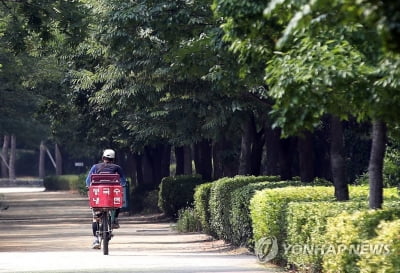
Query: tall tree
[[316, 18]]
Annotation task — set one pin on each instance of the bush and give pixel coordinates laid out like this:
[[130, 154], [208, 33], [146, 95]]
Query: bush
[[391, 167], [385, 258], [268, 210], [202, 208], [391, 170], [220, 200], [349, 232], [177, 193], [240, 221], [150, 202], [306, 229], [188, 221], [63, 182]]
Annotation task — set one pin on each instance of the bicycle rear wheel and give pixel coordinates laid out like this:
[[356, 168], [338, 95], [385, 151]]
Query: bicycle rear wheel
[[106, 236]]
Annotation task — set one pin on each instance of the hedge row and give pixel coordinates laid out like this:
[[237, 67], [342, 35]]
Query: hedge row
[[220, 202], [306, 229], [244, 210], [298, 217], [354, 238], [386, 261], [64, 182], [176, 193], [239, 217], [201, 207], [268, 211]]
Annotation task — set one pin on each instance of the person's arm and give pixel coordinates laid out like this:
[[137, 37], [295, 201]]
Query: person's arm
[[92, 170], [121, 176]]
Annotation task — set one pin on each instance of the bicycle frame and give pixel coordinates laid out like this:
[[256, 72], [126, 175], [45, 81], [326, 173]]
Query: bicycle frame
[[104, 227]]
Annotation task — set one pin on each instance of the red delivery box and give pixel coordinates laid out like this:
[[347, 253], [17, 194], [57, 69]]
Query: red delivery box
[[104, 178], [106, 196]]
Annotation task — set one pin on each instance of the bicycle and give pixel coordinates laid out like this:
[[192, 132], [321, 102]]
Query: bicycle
[[105, 195], [105, 227]]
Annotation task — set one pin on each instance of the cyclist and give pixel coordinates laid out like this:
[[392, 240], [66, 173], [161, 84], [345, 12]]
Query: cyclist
[[107, 166]]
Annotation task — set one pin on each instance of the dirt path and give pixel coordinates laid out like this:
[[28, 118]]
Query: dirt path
[[56, 227]]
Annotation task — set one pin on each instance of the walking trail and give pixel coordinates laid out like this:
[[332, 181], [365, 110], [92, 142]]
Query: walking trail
[[51, 232]]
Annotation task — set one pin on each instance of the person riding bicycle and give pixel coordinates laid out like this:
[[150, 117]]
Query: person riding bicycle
[[107, 166]]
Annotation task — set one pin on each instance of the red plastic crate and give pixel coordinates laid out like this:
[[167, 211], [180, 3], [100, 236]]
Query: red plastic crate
[[106, 196]]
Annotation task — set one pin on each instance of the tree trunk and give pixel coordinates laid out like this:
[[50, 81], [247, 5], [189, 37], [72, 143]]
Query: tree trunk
[[285, 158], [218, 148], [156, 161], [337, 160], [130, 168], [13, 153], [257, 151], [148, 171], [322, 147], [305, 148], [375, 168], [4, 156], [203, 159], [165, 158], [179, 160], [42, 156], [58, 160], [187, 160], [271, 159], [245, 147], [139, 169]]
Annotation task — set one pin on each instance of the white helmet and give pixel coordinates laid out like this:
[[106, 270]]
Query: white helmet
[[108, 153]]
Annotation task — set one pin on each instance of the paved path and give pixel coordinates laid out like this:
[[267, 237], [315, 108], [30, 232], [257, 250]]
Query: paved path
[[51, 232]]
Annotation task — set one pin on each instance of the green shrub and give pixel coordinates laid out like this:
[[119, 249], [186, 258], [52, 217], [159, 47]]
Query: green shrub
[[188, 221], [306, 229], [391, 170], [150, 202], [176, 193], [62, 182], [242, 231], [347, 233], [81, 184], [202, 208], [391, 167], [268, 211], [220, 200], [385, 258], [268, 208]]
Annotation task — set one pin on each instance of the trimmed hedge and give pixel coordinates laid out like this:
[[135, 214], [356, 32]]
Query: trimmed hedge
[[62, 182], [268, 211], [348, 233], [387, 245], [306, 229], [176, 193], [240, 221], [201, 207], [220, 202]]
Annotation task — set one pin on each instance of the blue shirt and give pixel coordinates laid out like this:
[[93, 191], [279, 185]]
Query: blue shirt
[[106, 168]]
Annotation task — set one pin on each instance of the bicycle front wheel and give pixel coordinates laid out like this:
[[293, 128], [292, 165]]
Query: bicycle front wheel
[[106, 231]]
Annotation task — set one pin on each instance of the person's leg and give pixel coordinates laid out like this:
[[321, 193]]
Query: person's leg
[[116, 222], [117, 212], [95, 226]]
